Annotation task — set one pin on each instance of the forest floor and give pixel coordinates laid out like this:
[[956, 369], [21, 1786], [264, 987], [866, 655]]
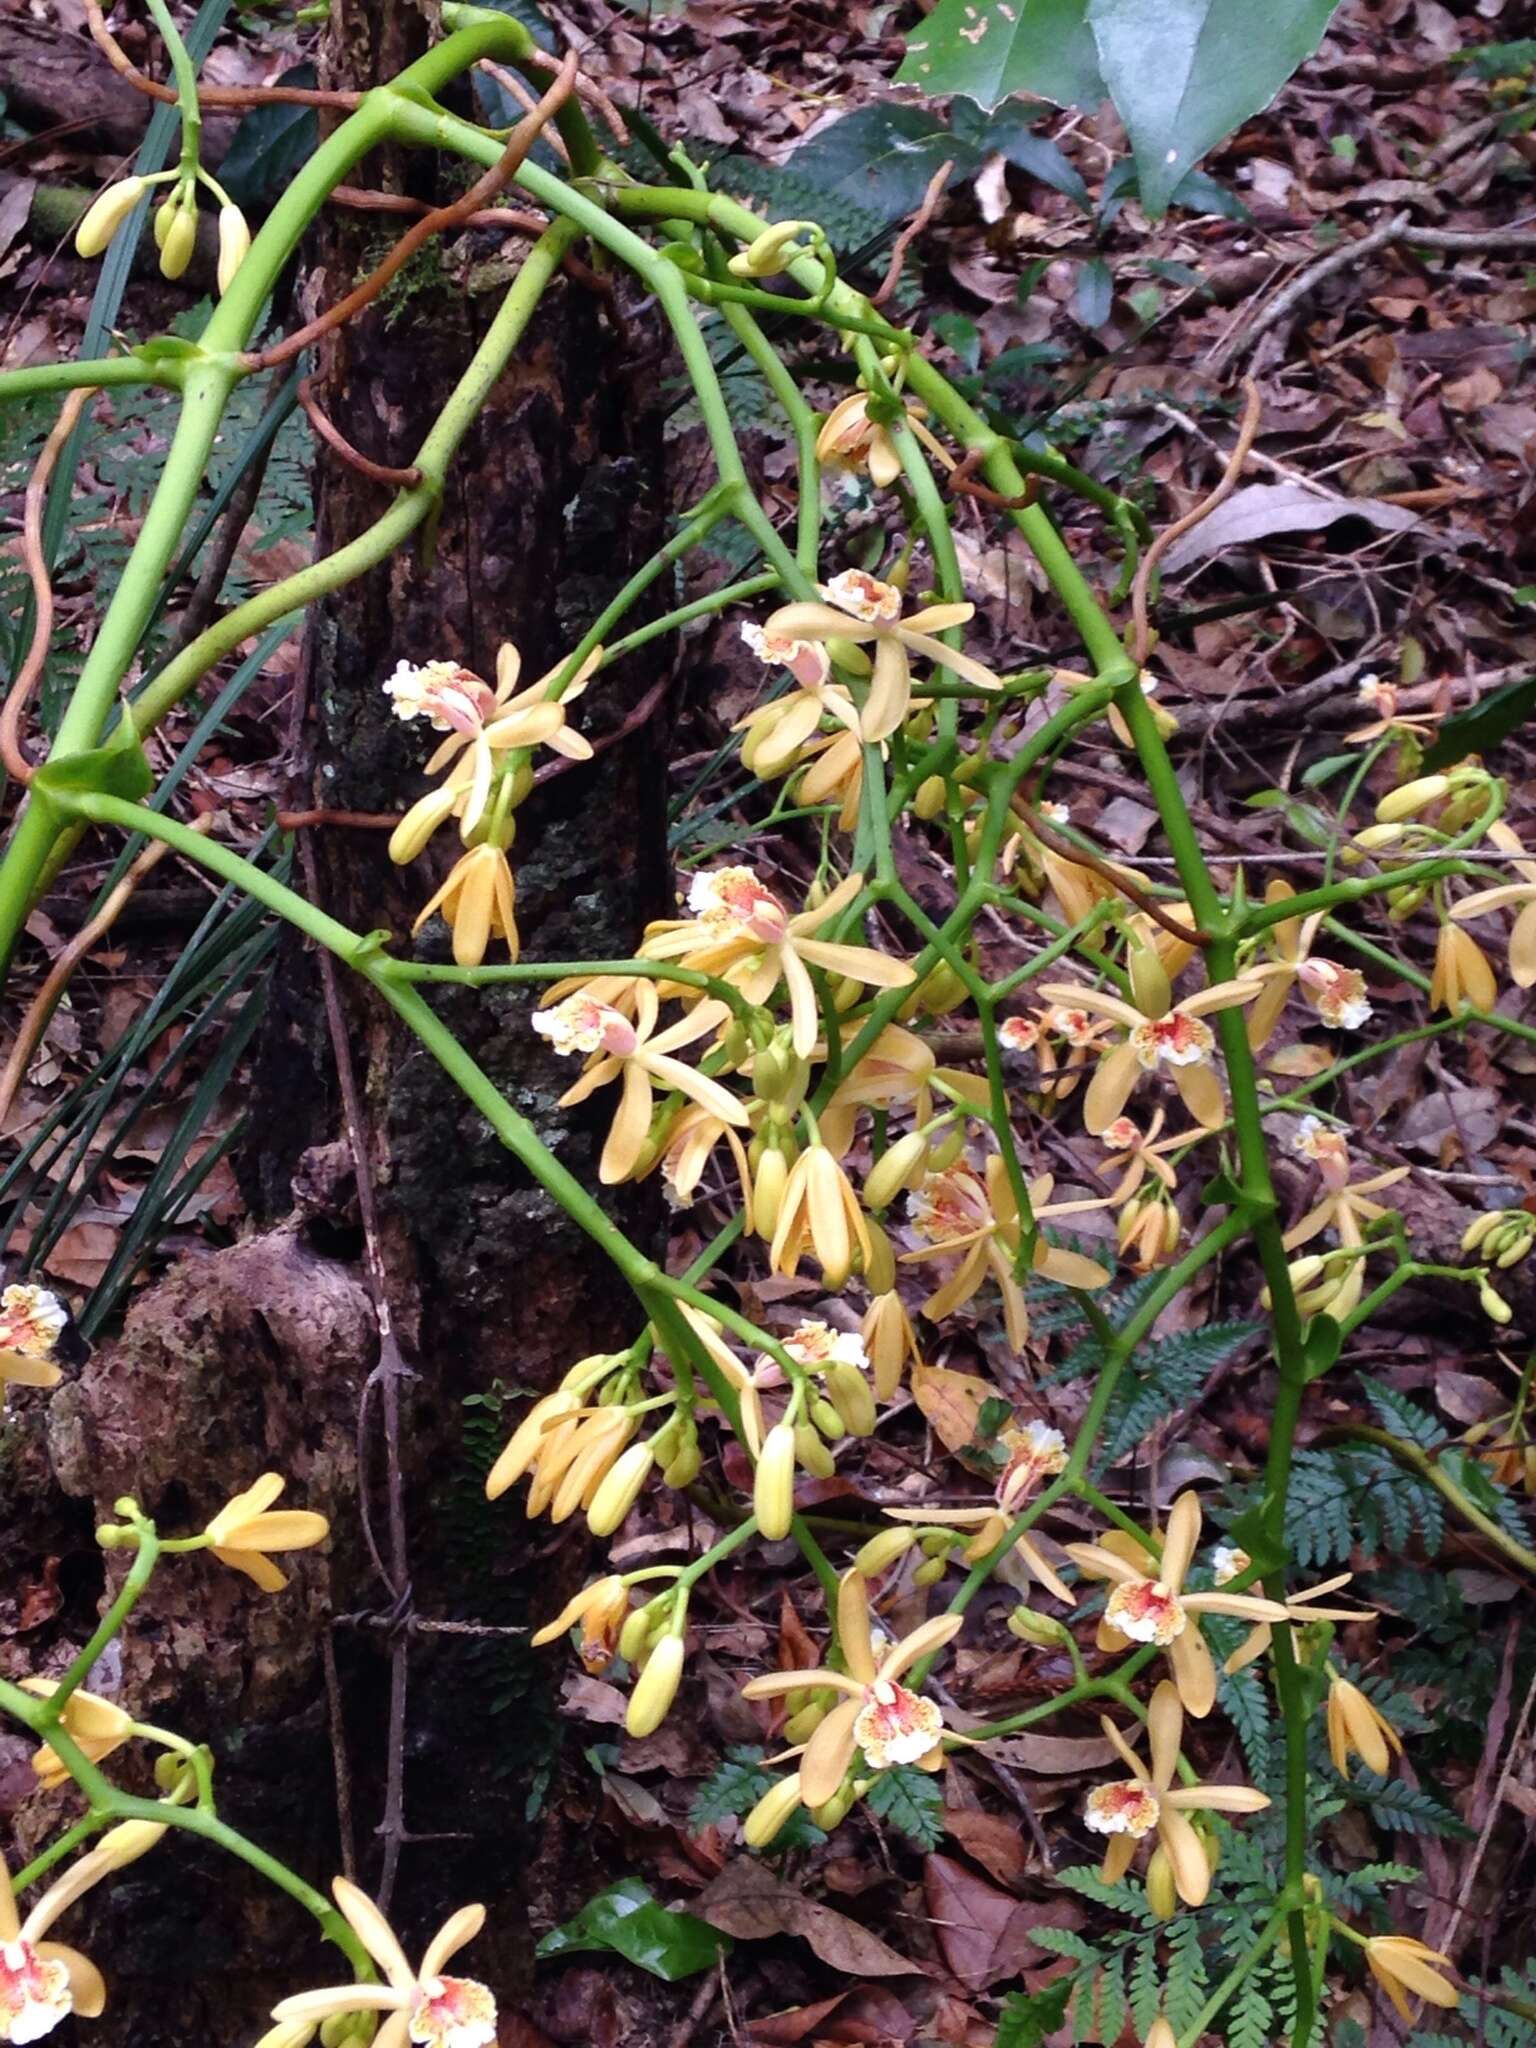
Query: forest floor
[[1366, 252]]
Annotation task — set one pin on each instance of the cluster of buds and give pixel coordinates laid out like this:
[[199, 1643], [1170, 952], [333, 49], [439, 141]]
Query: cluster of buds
[[579, 1445], [175, 222], [1501, 1237]]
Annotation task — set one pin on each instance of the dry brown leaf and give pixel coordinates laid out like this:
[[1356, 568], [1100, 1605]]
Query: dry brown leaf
[[986, 1935], [950, 1402], [746, 1900]]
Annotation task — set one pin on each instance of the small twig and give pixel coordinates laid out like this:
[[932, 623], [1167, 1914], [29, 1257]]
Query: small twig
[[208, 95], [333, 437], [1141, 633], [511, 218], [644, 710], [962, 481], [910, 233], [586, 88], [45, 1002], [357, 821], [1101, 865], [340, 1761], [442, 218], [20, 692], [1306, 281]]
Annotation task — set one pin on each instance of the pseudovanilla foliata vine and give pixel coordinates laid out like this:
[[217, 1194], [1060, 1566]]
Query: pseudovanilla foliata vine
[[828, 1075]]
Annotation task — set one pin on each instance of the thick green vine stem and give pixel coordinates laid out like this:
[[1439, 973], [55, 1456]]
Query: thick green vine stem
[[806, 1036]]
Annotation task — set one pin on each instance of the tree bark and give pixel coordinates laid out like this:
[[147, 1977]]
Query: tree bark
[[256, 1358]]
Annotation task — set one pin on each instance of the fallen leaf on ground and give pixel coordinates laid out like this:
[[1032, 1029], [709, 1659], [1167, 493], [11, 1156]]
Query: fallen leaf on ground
[[747, 1900]]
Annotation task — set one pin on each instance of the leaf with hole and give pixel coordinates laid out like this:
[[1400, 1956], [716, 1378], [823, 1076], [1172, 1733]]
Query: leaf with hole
[[991, 51]]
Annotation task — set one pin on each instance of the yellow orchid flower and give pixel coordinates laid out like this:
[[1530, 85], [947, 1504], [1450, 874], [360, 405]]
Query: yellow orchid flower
[[1175, 1036], [1301, 1609], [96, 1726], [690, 1145], [1356, 1726], [478, 902], [1337, 993], [487, 721], [860, 608], [1346, 1206], [1148, 1802], [1382, 699], [960, 1212], [42, 1982], [850, 439], [1401, 1966], [1134, 1154], [31, 1322], [243, 1533], [877, 1716], [742, 933], [636, 1054], [1148, 1230], [835, 775], [601, 1609], [1462, 972], [1147, 1602], [1036, 1452], [818, 1213], [424, 2005], [1519, 896], [778, 730]]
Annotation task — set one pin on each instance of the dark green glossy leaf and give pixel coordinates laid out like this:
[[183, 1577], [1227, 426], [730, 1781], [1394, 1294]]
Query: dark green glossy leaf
[[989, 51], [883, 157], [269, 146], [1185, 73], [1482, 725], [627, 1921]]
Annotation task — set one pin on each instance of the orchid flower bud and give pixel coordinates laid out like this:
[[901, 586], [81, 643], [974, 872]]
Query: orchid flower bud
[[234, 245], [655, 1688], [773, 1488], [106, 214]]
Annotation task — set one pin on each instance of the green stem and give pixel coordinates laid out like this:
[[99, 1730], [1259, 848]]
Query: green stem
[[135, 1580]]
